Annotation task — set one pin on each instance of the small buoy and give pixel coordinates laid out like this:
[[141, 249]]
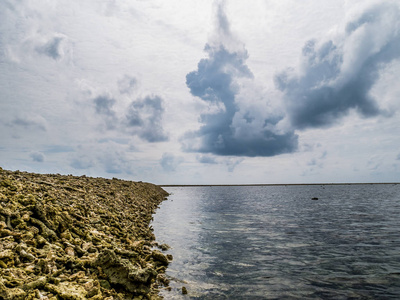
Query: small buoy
[[314, 198]]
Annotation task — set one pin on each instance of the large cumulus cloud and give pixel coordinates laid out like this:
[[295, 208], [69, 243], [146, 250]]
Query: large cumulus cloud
[[337, 75], [215, 82]]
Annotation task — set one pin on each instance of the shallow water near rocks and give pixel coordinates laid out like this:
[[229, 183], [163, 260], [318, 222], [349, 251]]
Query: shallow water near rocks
[[274, 242]]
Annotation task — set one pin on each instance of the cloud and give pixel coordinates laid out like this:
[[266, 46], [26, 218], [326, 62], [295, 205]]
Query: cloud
[[144, 119], [170, 162], [58, 149], [28, 121], [337, 75], [216, 82], [127, 84], [374, 163], [110, 157], [115, 162], [232, 163], [37, 156], [104, 106], [206, 159], [52, 48], [82, 162]]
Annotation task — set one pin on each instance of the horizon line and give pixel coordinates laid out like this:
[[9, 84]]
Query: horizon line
[[274, 184]]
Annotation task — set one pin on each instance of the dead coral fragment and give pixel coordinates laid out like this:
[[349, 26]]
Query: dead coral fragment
[[158, 256], [121, 272]]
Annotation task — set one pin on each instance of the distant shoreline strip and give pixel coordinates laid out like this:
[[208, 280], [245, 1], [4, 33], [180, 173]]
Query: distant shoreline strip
[[275, 184]]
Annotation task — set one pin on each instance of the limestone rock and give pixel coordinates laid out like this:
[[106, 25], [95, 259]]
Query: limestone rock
[[158, 256], [69, 237], [11, 293], [122, 272]]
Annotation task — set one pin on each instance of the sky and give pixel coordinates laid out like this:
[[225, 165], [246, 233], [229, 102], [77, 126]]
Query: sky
[[202, 91]]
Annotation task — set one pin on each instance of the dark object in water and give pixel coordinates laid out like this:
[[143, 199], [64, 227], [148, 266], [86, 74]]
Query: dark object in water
[[314, 198]]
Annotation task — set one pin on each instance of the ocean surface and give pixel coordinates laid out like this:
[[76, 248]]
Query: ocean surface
[[275, 242]]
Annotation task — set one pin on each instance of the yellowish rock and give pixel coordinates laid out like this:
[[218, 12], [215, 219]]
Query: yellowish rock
[[53, 229], [67, 290], [11, 293], [69, 251]]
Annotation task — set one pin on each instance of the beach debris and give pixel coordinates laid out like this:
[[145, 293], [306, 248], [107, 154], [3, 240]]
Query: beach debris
[[70, 237]]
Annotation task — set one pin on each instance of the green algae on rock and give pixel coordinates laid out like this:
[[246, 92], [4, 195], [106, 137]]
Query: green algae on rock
[[69, 237]]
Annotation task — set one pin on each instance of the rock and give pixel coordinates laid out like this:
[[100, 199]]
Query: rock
[[6, 255], [86, 246], [77, 275], [164, 247], [45, 231], [163, 279], [42, 267], [7, 258], [92, 288], [67, 290], [158, 256], [41, 241], [121, 272], [184, 290], [37, 284], [11, 293], [27, 256], [69, 251], [68, 237], [3, 225], [105, 284]]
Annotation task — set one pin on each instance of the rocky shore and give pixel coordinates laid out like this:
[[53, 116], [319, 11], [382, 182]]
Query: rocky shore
[[69, 237]]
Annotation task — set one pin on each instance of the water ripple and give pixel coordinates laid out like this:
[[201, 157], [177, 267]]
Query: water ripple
[[274, 242]]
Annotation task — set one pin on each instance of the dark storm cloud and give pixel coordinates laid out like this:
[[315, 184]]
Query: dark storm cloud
[[338, 76], [144, 119], [214, 81]]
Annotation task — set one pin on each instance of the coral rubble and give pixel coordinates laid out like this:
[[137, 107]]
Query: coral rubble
[[69, 237]]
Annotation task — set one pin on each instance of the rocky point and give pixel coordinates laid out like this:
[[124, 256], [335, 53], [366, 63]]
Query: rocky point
[[69, 237]]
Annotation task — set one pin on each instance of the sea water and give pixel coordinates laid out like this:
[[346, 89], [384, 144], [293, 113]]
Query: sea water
[[275, 242]]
